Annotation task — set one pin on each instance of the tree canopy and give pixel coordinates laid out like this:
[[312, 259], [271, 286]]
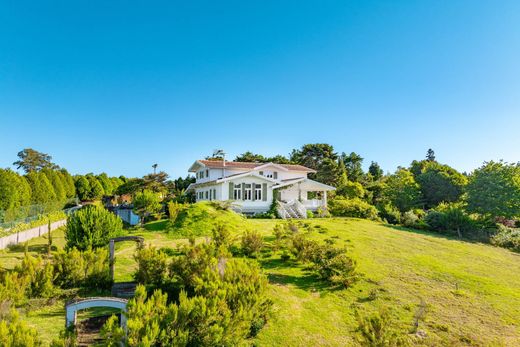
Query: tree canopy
[[32, 160]]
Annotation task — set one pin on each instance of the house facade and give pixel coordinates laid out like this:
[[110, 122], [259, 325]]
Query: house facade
[[253, 186]]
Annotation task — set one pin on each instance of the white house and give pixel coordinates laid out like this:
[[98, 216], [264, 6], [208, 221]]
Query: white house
[[253, 186]]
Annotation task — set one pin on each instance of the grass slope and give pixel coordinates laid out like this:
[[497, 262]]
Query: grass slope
[[471, 292]]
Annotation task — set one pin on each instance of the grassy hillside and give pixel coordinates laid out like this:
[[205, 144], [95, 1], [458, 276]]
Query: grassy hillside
[[470, 292]]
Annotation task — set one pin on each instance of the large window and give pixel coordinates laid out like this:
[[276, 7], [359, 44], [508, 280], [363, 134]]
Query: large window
[[237, 192], [258, 192], [248, 192]]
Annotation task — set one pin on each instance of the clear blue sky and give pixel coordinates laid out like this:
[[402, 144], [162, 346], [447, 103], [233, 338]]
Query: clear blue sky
[[116, 86]]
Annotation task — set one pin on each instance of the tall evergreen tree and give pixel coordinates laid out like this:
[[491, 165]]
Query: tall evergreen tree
[[375, 170], [42, 191], [353, 163], [56, 182]]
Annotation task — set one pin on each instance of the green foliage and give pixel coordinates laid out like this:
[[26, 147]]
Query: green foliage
[[353, 208], [507, 238], [13, 287], [402, 190], [173, 210], [112, 333], [199, 219], [353, 162], [378, 330], [16, 333], [152, 266], [329, 263], [375, 170], [389, 213], [494, 190], [39, 275], [252, 243], [88, 269], [91, 227], [56, 181], [68, 183], [41, 189], [440, 183], [351, 190], [409, 219], [82, 188], [450, 217], [146, 203], [31, 160], [96, 191], [14, 190]]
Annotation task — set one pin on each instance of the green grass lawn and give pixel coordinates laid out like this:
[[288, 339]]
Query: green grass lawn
[[470, 291]]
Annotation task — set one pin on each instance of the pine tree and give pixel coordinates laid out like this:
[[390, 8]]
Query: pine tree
[[430, 155]]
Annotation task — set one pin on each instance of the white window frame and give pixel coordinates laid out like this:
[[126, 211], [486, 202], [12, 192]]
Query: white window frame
[[248, 192], [237, 192], [258, 191]]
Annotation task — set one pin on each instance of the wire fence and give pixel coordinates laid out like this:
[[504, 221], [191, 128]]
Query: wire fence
[[27, 214]]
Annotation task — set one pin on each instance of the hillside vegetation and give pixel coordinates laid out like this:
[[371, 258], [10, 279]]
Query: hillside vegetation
[[458, 293]]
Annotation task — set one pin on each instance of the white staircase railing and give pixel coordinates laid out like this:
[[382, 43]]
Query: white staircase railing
[[291, 209]]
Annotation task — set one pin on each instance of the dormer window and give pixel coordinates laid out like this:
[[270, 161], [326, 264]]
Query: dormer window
[[269, 174]]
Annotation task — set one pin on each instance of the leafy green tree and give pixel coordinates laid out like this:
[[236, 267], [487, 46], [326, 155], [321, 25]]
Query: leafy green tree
[[42, 191], [68, 183], [313, 155], [328, 172], [91, 227], [82, 188], [351, 190], [96, 189], [14, 190], [56, 182], [375, 170], [155, 182], [146, 203], [251, 157], [494, 190], [440, 183], [279, 159], [353, 162], [106, 183], [32, 160], [130, 186], [402, 190]]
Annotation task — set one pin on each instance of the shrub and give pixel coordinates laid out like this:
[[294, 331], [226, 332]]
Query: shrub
[[146, 203], [389, 213], [450, 217], [353, 208], [377, 330], [152, 266], [91, 227], [334, 265], [252, 243], [173, 210], [507, 238], [13, 287], [222, 237], [409, 219], [39, 275], [15, 332], [89, 269]]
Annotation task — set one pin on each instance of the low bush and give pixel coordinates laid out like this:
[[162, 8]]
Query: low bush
[[507, 238], [174, 208], [91, 227], [389, 213], [89, 269], [252, 243], [356, 208], [39, 275], [152, 266], [16, 333], [409, 219], [378, 330], [451, 217]]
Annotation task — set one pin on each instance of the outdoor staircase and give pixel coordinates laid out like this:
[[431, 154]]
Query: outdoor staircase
[[292, 209], [124, 289]]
